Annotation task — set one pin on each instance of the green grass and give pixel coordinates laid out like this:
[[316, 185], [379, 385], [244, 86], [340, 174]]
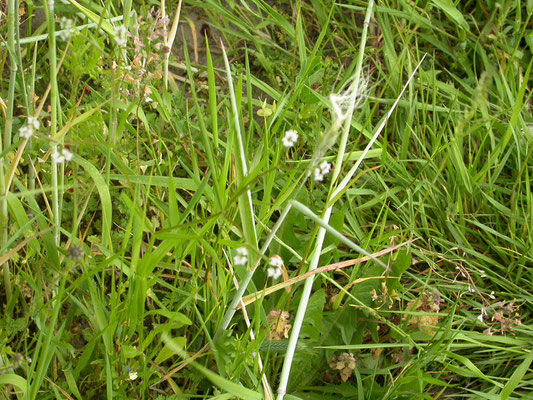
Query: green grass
[[122, 262]]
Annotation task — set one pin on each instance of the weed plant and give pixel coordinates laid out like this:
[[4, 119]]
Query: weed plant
[[312, 200]]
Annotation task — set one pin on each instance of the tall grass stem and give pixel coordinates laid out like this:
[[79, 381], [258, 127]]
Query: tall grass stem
[[49, 9], [302, 306], [169, 40], [6, 140]]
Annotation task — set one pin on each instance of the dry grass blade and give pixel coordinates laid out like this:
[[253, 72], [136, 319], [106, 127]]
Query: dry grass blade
[[327, 268]]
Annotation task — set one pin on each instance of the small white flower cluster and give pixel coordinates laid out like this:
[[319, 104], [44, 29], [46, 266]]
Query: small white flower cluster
[[242, 256], [321, 170], [148, 99], [67, 28], [58, 158], [28, 130], [290, 138], [121, 35], [276, 263]]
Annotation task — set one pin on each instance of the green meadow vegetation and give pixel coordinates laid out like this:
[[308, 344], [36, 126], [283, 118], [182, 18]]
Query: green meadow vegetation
[[305, 199]]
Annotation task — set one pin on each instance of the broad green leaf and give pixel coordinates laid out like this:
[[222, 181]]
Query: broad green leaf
[[452, 12], [17, 381], [129, 351], [517, 376], [401, 262], [167, 352], [312, 325]]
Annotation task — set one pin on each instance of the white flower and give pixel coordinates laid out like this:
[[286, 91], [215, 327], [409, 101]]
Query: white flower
[[274, 271], [148, 99], [67, 155], [133, 375], [34, 123], [321, 170], [58, 158], [318, 175], [325, 167], [491, 295], [276, 261], [26, 131], [290, 138], [120, 35], [66, 28], [242, 256]]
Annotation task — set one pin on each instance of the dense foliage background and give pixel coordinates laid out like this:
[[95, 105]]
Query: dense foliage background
[[142, 178]]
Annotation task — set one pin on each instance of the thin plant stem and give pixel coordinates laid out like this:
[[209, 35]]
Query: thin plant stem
[[345, 181], [169, 41], [230, 312], [49, 8], [245, 200], [127, 13], [302, 306], [43, 360], [334, 192], [6, 142], [24, 93], [113, 125], [78, 28], [268, 390]]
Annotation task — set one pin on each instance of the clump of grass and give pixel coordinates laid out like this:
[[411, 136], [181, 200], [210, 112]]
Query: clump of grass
[[158, 218]]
